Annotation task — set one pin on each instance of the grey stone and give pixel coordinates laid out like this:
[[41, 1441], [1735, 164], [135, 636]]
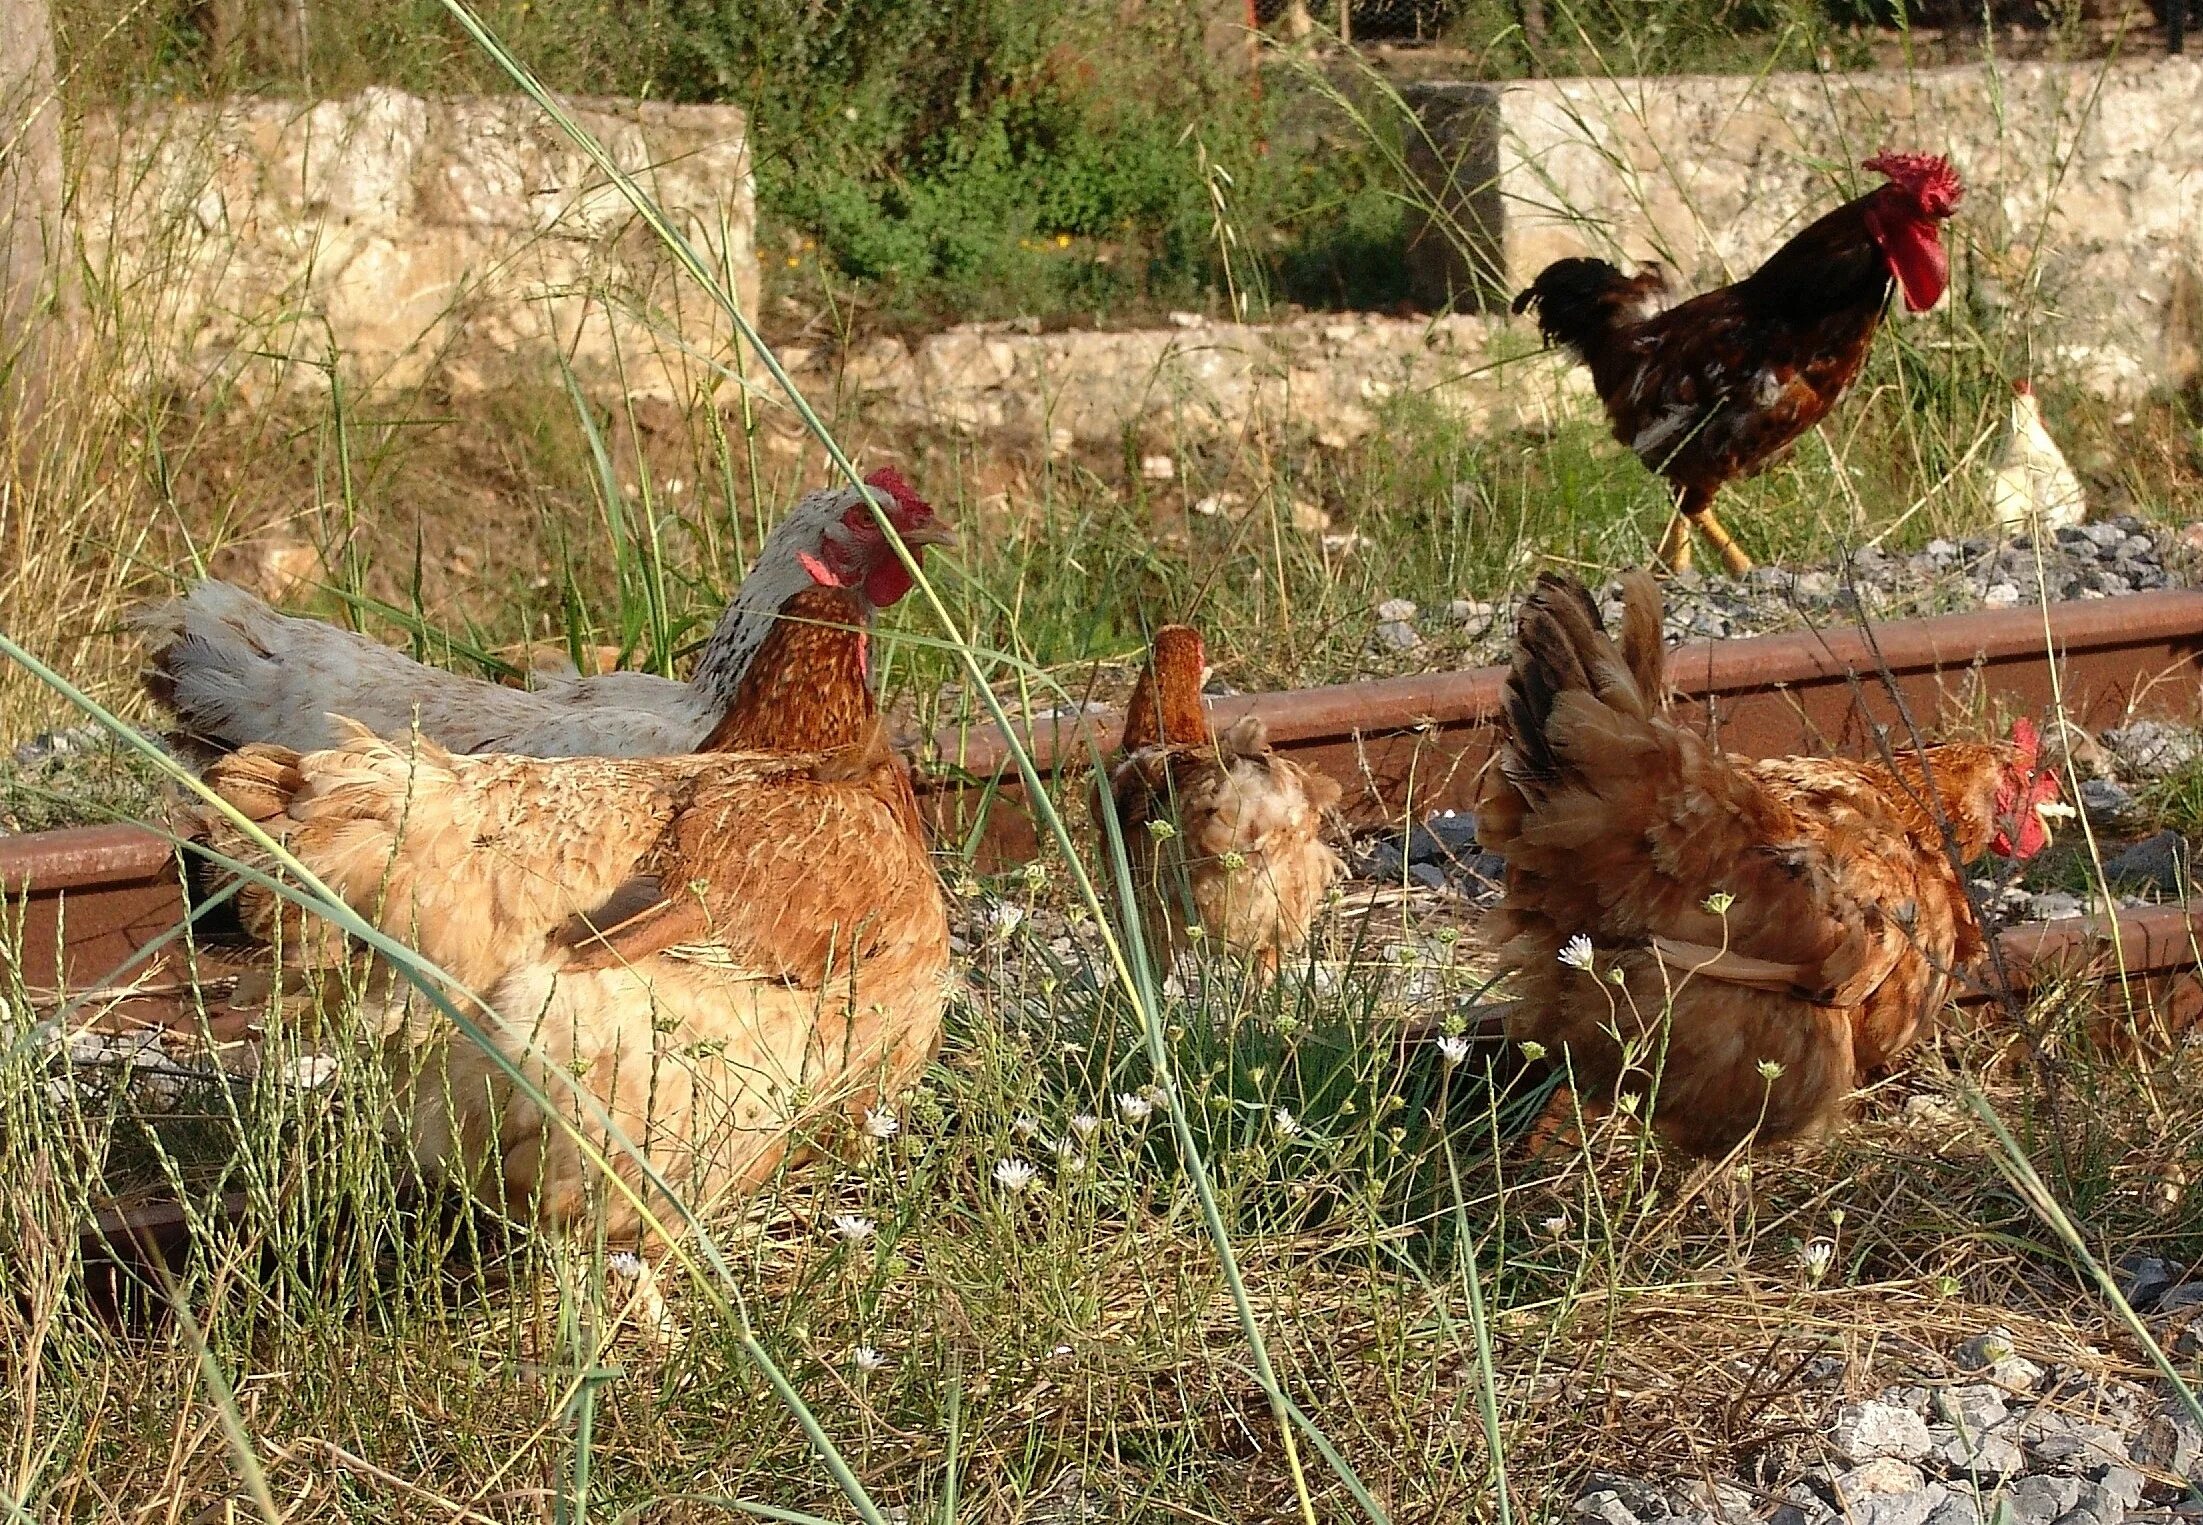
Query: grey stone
[[1962, 1508], [1864, 1431], [2157, 863], [1382, 861], [2152, 748], [1974, 1407], [1429, 875], [2016, 1373], [2069, 1444], [1398, 635], [2040, 1500], [2143, 1279], [2053, 905], [1397, 609], [2000, 595], [1985, 1456], [1605, 1505], [2105, 802], [2181, 1298], [2106, 1501], [1888, 1492]]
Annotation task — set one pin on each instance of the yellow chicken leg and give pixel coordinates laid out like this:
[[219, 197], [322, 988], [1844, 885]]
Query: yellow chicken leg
[[1732, 554], [1674, 552]]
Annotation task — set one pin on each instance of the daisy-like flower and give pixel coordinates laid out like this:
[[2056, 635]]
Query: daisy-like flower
[[1086, 1125], [1555, 1226], [865, 1358], [625, 1264], [1287, 1125], [1134, 1107], [1816, 1257], [1014, 1175], [1576, 952], [854, 1227], [1770, 1069], [1718, 903], [882, 1124], [1453, 1049], [1026, 1126]]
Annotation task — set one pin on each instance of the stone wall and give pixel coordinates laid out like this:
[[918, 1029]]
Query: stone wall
[[462, 243]]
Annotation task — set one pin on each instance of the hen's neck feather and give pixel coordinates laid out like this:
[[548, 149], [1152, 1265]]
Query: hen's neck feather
[[777, 577]]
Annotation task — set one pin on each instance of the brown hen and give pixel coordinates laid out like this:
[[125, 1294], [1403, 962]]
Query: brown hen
[[722, 949], [1737, 944], [1220, 832]]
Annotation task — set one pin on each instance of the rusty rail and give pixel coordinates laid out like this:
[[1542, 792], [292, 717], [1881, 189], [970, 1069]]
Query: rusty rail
[[90, 898]]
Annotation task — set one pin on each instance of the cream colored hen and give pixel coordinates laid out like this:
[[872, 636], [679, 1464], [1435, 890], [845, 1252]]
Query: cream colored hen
[[1220, 832], [721, 949]]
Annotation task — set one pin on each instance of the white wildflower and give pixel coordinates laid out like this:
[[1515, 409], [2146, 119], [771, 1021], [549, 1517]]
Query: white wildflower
[[854, 1227], [1086, 1125], [867, 1359], [1014, 1175], [625, 1264], [1134, 1107], [1026, 1126], [1453, 1049], [1286, 1124], [1816, 1257], [1770, 1069], [1576, 952], [1556, 1225], [881, 1123]]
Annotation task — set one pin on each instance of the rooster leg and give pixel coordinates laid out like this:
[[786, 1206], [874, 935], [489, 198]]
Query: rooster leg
[[1674, 552], [1696, 505], [1732, 554]]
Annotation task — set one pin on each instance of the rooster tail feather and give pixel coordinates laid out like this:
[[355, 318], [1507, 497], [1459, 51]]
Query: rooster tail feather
[[1580, 302], [1166, 701]]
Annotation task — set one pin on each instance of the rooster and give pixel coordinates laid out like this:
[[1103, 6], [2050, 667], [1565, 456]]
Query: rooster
[[1735, 945], [1220, 832], [2033, 491], [721, 949], [1712, 389], [233, 671]]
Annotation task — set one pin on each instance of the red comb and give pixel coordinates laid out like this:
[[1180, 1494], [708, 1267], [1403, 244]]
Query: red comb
[[890, 481], [1930, 178], [2028, 740]]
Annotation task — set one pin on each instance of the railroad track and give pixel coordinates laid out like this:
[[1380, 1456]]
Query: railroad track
[[81, 904]]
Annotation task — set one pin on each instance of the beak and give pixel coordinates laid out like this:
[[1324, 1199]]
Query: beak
[[931, 532], [2047, 811]]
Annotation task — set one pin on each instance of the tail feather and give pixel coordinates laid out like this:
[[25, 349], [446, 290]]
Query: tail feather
[[1561, 646], [1166, 701], [1580, 301]]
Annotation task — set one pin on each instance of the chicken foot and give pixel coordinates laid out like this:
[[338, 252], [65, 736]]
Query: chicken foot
[[1694, 510]]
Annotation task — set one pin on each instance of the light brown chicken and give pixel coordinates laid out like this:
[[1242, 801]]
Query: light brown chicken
[[723, 949], [1738, 944], [1219, 831]]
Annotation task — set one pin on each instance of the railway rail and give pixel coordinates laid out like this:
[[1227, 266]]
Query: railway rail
[[83, 904]]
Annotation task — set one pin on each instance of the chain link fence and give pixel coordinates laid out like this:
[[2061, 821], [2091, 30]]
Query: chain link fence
[[1366, 20]]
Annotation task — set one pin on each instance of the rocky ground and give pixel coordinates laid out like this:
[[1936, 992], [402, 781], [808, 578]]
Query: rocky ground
[[1988, 1436]]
